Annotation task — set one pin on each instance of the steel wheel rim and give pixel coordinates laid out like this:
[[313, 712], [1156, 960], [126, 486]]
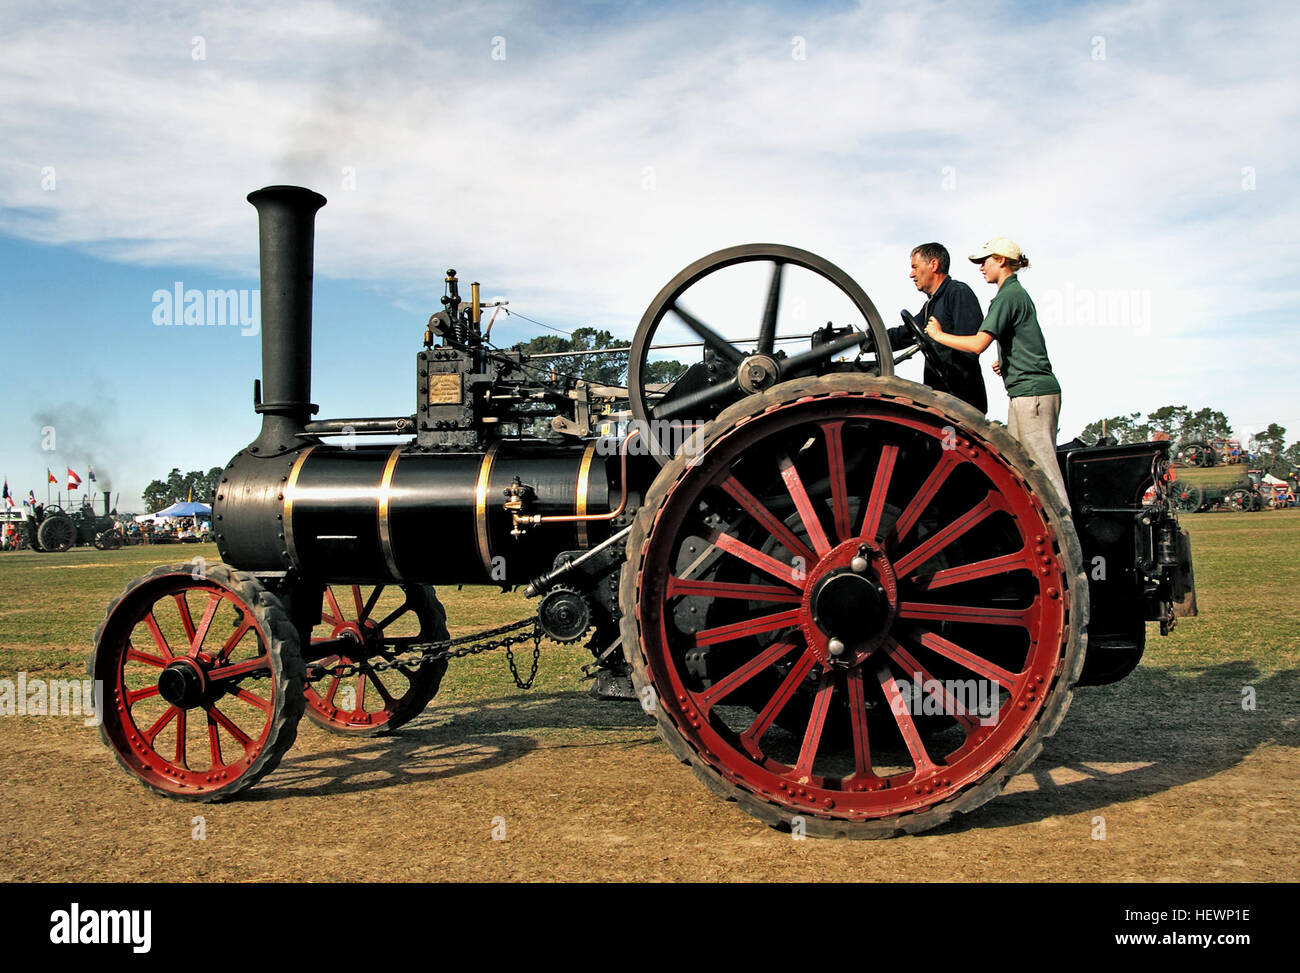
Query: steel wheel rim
[[157, 739], [743, 758]]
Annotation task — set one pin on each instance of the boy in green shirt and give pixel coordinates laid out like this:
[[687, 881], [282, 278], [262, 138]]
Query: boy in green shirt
[[1022, 356]]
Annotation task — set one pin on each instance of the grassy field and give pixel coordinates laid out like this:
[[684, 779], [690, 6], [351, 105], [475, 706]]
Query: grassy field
[[1192, 785], [1247, 574], [51, 604]]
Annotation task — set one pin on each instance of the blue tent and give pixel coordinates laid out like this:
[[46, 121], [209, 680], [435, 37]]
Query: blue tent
[[186, 508]]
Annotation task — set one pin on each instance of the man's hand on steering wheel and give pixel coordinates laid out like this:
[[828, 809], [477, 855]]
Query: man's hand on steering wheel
[[928, 349]]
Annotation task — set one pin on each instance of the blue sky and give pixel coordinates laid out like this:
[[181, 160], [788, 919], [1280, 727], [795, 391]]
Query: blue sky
[[1144, 154]]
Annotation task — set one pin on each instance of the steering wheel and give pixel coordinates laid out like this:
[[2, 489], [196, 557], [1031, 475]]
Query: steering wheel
[[927, 349]]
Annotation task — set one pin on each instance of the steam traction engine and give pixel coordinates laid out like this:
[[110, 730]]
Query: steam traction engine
[[799, 563]]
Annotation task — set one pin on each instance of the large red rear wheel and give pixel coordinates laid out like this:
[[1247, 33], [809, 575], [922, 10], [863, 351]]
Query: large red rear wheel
[[202, 680], [859, 606], [382, 620]]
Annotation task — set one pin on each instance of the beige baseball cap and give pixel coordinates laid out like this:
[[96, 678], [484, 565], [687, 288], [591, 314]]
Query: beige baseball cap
[[1000, 245]]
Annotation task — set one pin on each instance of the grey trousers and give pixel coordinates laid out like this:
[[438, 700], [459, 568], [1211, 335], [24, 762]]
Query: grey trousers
[[1032, 420]]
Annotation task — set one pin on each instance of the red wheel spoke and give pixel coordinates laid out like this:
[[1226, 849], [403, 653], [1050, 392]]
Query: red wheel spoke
[[951, 650], [135, 655], [965, 613], [747, 627], [360, 706], [807, 513], [200, 633], [812, 736], [245, 624], [180, 738], [766, 519], [727, 685], [753, 556], [763, 722], [263, 704], [337, 617], [216, 714], [356, 600], [948, 461], [134, 696], [898, 706], [162, 721], [369, 606], [839, 481], [973, 571], [937, 541], [159, 639], [858, 719], [879, 489], [214, 742], [187, 619], [334, 688], [908, 663], [679, 587]]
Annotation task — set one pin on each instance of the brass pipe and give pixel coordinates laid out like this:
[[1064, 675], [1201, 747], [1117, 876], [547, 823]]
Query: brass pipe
[[534, 519]]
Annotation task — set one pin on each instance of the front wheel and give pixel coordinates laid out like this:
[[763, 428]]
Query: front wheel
[[201, 678], [878, 559]]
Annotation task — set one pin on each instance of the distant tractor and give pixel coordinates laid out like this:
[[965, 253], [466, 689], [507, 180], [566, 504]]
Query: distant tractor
[[54, 529], [1253, 494], [1213, 452], [1188, 497]]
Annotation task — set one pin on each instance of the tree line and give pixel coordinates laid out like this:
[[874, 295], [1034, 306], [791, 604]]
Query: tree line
[[196, 485], [1268, 449]]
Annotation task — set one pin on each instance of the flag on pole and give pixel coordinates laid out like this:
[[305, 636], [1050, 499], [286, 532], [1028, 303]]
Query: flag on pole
[[8, 497], [50, 475], [31, 498], [90, 474], [74, 481]]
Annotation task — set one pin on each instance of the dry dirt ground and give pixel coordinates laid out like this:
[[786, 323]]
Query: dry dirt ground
[[1164, 776], [1190, 787]]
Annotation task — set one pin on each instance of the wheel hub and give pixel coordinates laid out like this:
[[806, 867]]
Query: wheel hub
[[182, 683], [849, 603], [757, 372], [849, 606]]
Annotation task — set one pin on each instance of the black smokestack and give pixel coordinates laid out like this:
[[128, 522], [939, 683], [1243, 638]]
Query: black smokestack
[[287, 234]]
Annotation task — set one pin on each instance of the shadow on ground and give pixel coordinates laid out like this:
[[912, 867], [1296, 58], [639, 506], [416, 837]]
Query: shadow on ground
[[1151, 732], [449, 741]]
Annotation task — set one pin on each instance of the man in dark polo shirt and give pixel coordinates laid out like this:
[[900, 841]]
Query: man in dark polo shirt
[[955, 306]]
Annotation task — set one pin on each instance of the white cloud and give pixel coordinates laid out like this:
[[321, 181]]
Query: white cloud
[[1123, 174]]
